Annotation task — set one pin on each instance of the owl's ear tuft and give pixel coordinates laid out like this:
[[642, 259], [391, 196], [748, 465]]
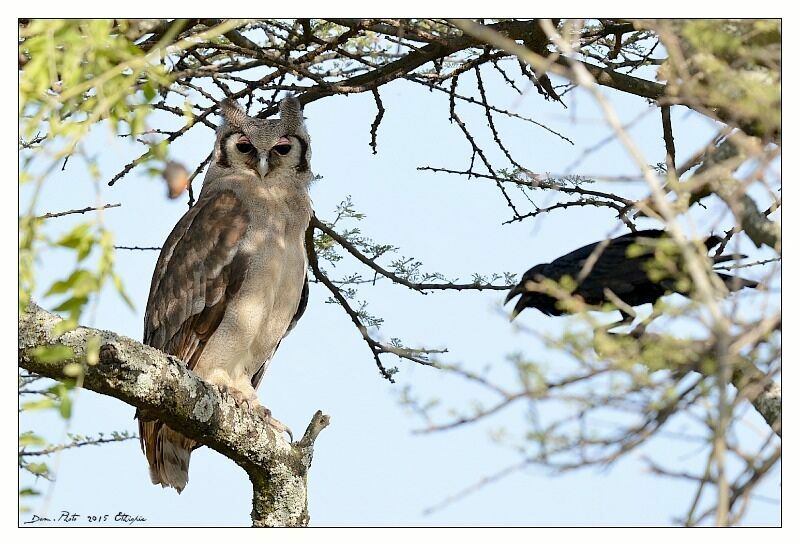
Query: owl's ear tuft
[[232, 112], [291, 112]]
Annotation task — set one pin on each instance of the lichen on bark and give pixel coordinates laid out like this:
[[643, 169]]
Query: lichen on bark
[[162, 387]]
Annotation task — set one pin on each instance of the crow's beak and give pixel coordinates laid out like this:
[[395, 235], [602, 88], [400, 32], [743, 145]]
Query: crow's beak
[[263, 165], [513, 293]]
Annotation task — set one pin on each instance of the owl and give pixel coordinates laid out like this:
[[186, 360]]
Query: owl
[[230, 282]]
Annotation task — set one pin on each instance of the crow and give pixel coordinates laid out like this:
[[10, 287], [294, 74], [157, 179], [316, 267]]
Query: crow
[[622, 272]]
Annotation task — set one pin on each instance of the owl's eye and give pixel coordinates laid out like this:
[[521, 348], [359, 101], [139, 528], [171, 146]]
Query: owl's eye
[[243, 145], [283, 146]]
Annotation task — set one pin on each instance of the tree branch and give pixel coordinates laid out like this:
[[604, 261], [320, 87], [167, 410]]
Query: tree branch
[[162, 386], [394, 277], [77, 211], [752, 384]]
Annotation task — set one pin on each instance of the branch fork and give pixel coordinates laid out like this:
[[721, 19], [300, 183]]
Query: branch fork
[[162, 387]]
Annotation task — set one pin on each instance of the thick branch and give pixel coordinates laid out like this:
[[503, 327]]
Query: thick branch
[[715, 174], [763, 393], [760, 229], [163, 387], [447, 46], [604, 76]]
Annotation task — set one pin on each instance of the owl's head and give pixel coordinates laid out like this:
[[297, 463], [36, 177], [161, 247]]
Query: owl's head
[[267, 148]]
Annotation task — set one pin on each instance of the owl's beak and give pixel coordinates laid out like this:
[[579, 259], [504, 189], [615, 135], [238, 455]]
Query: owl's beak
[[263, 165]]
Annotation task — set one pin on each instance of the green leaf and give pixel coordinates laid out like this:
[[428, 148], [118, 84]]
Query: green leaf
[[117, 280], [149, 91], [30, 439], [73, 305], [81, 281], [52, 353], [66, 407], [159, 149], [73, 369], [65, 325], [44, 403], [93, 350], [137, 124], [81, 239], [76, 237], [40, 469], [187, 112], [28, 492]]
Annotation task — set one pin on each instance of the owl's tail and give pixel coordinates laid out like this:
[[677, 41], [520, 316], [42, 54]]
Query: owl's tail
[[167, 453]]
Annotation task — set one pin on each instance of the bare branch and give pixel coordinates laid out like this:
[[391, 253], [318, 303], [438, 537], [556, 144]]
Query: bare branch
[[78, 211], [137, 247], [373, 130]]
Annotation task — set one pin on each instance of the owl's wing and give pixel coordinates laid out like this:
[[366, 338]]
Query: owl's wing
[[201, 267], [301, 308]]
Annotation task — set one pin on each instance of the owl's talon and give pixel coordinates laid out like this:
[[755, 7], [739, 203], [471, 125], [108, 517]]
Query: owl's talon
[[241, 399], [253, 406], [237, 395], [266, 414]]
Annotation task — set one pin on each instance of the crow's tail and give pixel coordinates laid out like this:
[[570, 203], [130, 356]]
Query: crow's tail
[[736, 283], [712, 241]]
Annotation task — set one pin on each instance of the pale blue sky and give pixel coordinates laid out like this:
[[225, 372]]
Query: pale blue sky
[[369, 468]]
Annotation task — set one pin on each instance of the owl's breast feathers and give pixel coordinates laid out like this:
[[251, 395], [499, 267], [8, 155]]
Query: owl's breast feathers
[[230, 269]]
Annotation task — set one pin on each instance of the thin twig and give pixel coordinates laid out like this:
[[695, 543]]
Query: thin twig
[[137, 247], [78, 211], [373, 130]]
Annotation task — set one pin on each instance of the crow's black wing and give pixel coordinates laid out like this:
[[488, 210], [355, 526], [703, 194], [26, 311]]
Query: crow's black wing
[[624, 275]]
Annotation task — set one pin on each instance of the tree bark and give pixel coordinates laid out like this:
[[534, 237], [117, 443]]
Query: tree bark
[[161, 386]]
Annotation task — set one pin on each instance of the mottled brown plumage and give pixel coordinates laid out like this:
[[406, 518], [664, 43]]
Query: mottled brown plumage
[[230, 282], [187, 303]]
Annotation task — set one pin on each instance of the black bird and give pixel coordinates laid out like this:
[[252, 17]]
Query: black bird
[[624, 275]]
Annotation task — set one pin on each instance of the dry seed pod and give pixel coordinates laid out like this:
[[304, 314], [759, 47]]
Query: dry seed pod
[[177, 178]]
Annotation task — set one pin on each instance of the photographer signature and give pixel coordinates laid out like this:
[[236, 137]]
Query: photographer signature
[[67, 516]]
